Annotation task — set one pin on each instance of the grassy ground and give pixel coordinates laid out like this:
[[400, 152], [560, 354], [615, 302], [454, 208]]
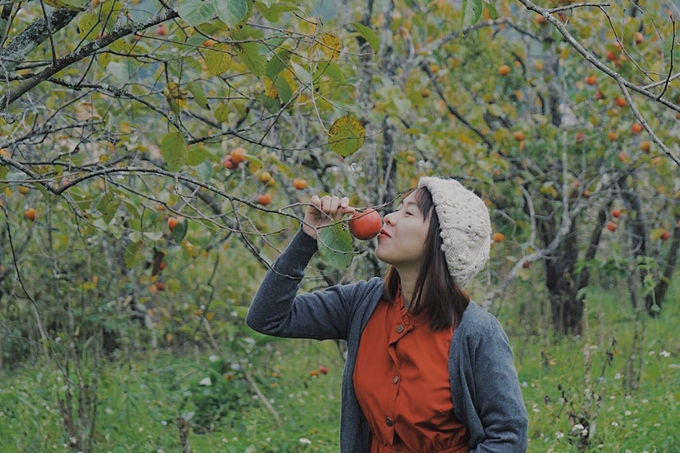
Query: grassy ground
[[575, 389]]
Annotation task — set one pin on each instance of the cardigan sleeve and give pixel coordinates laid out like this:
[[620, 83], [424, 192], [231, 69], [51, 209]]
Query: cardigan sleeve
[[278, 310], [493, 408]]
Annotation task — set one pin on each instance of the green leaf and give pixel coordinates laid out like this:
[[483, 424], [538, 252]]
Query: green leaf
[[195, 41], [222, 113], [249, 52], [233, 12], [76, 4], [656, 233], [272, 105], [196, 12], [180, 230], [199, 96], [277, 64], [335, 246], [369, 35], [472, 12], [110, 10], [218, 58], [493, 13], [131, 254], [88, 26], [108, 205], [272, 12], [267, 12], [284, 90], [346, 136], [175, 150], [330, 69], [205, 171], [3, 175], [199, 155]]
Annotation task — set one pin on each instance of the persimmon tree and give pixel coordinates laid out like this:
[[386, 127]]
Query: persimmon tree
[[116, 116]]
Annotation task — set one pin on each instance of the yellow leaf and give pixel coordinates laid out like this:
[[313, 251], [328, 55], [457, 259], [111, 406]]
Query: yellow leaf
[[330, 45], [125, 128], [269, 89], [218, 58], [86, 111]]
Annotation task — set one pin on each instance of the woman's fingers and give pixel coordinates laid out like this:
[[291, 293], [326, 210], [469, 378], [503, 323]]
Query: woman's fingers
[[336, 207], [322, 211]]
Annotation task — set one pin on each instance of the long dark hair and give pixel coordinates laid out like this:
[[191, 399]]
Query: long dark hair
[[436, 291]]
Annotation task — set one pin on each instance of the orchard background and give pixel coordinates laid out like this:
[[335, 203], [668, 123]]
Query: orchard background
[[156, 157]]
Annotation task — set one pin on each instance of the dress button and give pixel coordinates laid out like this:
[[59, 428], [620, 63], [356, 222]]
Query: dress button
[[400, 328], [389, 421], [395, 380]]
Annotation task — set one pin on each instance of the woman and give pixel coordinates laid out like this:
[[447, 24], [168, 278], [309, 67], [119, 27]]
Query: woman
[[427, 370]]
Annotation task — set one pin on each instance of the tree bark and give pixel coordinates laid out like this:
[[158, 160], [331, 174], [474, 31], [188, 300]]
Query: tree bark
[[566, 306]]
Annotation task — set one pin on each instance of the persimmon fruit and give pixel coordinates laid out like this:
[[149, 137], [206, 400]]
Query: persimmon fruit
[[229, 163], [30, 214], [300, 183], [365, 225], [238, 155], [265, 176], [264, 198], [172, 223], [645, 146]]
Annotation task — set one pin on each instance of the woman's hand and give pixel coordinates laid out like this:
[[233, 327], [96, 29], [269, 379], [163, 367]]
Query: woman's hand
[[322, 211]]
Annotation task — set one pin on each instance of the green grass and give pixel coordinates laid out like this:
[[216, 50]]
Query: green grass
[[140, 401], [140, 398]]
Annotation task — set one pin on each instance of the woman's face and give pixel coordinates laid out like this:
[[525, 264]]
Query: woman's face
[[401, 242]]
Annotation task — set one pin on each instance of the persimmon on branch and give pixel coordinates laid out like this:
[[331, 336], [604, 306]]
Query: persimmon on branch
[[625, 85]]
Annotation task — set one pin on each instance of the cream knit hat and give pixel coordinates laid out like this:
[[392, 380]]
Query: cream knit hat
[[465, 227]]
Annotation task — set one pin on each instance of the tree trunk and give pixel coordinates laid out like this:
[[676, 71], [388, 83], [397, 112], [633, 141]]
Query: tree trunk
[[565, 305], [654, 301]]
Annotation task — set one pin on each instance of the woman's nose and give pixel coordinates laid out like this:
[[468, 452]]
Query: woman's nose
[[387, 218]]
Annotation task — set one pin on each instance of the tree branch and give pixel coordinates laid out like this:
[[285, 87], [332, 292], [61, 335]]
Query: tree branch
[[36, 33], [79, 54]]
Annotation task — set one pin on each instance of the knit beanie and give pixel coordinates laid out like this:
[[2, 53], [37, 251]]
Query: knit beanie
[[465, 227]]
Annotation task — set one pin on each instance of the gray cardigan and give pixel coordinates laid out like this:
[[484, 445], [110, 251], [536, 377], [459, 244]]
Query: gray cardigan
[[484, 385]]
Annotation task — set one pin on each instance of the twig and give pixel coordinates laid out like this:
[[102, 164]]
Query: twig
[[670, 70]]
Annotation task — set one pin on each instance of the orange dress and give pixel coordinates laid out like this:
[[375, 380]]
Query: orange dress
[[401, 380]]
